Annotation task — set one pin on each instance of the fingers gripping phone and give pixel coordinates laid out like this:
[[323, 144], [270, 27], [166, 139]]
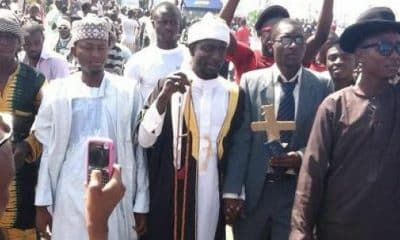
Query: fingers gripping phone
[[100, 156]]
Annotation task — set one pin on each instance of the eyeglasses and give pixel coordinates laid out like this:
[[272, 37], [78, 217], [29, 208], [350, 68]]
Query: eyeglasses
[[287, 41], [384, 49]]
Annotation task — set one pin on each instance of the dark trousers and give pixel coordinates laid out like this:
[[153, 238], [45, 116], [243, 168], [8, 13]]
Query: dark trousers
[[270, 220]]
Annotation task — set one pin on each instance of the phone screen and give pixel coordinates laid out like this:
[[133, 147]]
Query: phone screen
[[98, 155]]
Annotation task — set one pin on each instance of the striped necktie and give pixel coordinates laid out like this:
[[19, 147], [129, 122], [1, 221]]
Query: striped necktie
[[286, 110]]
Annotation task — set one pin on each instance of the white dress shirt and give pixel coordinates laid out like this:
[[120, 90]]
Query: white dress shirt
[[278, 88]]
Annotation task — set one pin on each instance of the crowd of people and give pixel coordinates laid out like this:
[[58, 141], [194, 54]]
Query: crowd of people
[[302, 144]]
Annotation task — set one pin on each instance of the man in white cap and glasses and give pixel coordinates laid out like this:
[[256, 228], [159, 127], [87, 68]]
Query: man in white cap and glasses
[[83, 105], [20, 87], [348, 185], [189, 120], [63, 43]]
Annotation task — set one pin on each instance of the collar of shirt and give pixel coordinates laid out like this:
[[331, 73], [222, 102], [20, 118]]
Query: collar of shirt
[[84, 91], [200, 84], [167, 51], [43, 56], [277, 73], [278, 88]]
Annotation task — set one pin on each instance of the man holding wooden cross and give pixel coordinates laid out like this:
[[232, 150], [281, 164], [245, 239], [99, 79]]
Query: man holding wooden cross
[[294, 94]]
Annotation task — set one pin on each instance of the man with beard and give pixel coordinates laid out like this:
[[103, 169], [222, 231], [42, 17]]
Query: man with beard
[[349, 180], [245, 59], [187, 128], [84, 105], [162, 58], [20, 87], [52, 65], [270, 180], [341, 66]]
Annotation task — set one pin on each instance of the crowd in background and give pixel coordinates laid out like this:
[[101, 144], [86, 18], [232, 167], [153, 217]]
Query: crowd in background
[[232, 68]]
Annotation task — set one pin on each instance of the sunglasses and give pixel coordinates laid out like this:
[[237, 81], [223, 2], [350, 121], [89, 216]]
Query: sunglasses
[[384, 49], [287, 41], [62, 28]]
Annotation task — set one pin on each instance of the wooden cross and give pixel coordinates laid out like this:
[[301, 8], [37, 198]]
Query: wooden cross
[[271, 125]]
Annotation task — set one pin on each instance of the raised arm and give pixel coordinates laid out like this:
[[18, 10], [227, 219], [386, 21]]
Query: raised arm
[[227, 12], [315, 42]]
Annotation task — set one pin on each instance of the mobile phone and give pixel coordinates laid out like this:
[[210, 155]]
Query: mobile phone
[[100, 156]]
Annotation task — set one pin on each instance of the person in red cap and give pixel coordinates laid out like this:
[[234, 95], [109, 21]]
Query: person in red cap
[[246, 59], [348, 186]]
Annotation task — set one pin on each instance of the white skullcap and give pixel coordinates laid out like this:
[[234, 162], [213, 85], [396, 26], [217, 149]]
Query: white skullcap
[[64, 22], [209, 27], [89, 28]]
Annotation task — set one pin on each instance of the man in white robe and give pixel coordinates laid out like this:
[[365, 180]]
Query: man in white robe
[[163, 57], [187, 171], [90, 103]]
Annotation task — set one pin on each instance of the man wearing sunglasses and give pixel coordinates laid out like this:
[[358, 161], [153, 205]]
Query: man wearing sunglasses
[[348, 185], [62, 46], [270, 181]]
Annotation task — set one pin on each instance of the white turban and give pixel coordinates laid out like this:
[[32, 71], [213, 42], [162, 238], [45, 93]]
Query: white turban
[[89, 28], [209, 27]]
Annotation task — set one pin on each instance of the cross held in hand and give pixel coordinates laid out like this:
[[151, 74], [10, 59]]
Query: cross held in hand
[[271, 125]]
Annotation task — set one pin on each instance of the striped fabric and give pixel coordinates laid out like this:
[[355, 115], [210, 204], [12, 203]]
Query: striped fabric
[[287, 108], [10, 23], [19, 98], [16, 234], [115, 61]]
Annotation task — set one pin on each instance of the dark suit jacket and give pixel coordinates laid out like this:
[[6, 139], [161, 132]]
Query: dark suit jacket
[[249, 158]]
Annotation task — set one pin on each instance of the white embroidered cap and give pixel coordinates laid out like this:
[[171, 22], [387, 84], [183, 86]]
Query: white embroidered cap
[[89, 28], [209, 27]]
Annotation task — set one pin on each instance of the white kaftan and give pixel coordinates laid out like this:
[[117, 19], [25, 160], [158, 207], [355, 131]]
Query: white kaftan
[[90, 119], [70, 112]]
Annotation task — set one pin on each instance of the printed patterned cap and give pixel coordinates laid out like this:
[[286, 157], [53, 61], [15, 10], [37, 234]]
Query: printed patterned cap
[[89, 28]]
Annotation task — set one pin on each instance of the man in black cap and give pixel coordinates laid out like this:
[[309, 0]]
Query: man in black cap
[[246, 59], [348, 187]]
